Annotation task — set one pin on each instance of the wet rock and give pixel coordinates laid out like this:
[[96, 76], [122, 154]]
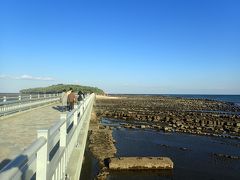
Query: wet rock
[[237, 124], [183, 149], [226, 156], [158, 127], [142, 126], [167, 118], [127, 126], [236, 129], [178, 124], [167, 129], [165, 146], [192, 127], [102, 175]]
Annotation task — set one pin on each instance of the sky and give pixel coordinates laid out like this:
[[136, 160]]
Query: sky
[[121, 46]]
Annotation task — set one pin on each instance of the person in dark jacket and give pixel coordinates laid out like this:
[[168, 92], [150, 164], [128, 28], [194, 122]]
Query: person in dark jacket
[[80, 96]]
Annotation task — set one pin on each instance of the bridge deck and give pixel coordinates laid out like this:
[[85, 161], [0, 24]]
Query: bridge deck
[[20, 130]]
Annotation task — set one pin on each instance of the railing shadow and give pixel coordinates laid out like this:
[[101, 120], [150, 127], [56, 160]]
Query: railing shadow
[[3, 163], [20, 163], [59, 108]]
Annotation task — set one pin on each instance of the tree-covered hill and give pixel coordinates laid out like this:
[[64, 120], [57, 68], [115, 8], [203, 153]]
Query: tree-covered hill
[[60, 87]]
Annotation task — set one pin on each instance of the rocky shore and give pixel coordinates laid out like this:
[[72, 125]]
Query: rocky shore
[[101, 144], [203, 117], [195, 116]]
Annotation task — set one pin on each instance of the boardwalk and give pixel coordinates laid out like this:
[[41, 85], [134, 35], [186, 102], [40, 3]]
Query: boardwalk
[[19, 131]]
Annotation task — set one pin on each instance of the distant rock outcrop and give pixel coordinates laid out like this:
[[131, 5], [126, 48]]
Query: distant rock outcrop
[[60, 87]]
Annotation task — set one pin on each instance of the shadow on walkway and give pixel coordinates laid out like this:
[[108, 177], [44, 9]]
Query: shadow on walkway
[[20, 162], [58, 108], [4, 163]]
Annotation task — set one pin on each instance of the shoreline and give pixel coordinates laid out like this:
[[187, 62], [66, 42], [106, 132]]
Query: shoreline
[[145, 126], [101, 144], [148, 113]]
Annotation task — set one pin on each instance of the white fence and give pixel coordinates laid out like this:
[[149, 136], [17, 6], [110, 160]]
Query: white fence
[[47, 158], [9, 105]]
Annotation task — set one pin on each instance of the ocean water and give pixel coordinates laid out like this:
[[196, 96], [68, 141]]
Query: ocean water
[[9, 94], [12, 96], [225, 98]]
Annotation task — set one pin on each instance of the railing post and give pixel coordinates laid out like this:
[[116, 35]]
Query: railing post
[[44, 95], [38, 96], [42, 157], [30, 96], [81, 108], [19, 104], [63, 130], [4, 98], [63, 143], [75, 116], [84, 104]]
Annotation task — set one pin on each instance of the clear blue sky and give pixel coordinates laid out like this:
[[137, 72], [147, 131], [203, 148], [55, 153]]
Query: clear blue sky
[[122, 46]]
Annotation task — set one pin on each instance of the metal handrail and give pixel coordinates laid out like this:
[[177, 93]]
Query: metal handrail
[[21, 99], [9, 107], [13, 167]]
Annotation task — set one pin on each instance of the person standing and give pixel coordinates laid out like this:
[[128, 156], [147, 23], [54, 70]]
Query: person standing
[[68, 104], [64, 100], [80, 97], [71, 100]]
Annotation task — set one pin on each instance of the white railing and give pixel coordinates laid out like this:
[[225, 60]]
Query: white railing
[[9, 105], [47, 158]]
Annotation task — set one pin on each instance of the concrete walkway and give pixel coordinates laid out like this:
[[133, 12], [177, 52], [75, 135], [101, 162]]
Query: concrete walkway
[[20, 130]]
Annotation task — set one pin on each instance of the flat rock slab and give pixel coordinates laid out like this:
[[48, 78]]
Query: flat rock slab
[[140, 163]]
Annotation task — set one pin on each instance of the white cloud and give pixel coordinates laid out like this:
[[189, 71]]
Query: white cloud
[[27, 77]]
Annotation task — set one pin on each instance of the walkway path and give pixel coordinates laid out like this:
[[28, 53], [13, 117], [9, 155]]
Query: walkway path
[[19, 131]]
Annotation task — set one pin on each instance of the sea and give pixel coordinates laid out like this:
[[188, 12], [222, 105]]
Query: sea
[[224, 98], [9, 94]]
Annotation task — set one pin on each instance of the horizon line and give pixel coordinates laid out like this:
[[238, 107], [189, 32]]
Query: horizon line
[[151, 93]]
